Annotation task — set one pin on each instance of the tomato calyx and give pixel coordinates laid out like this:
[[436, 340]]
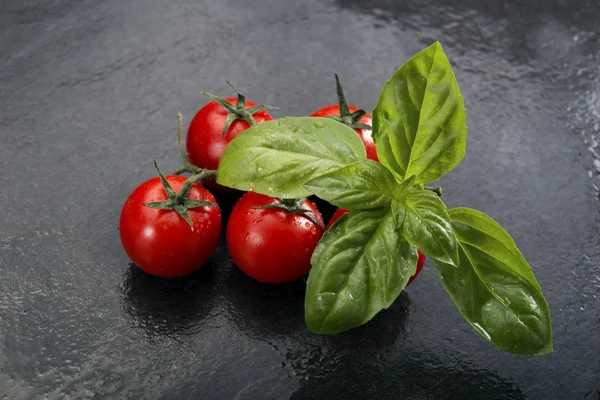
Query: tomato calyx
[[239, 110], [179, 202], [346, 117], [294, 206]]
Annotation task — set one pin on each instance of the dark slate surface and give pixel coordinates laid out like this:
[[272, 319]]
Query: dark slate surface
[[88, 95]]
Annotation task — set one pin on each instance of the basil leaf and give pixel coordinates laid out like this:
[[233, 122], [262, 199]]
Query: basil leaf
[[277, 157], [419, 123], [361, 185], [359, 268], [423, 218], [494, 288]]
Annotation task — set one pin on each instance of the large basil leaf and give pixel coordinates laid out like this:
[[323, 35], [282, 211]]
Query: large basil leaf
[[358, 186], [419, 123], [277, 157], [359, 268], [494, 288], [423, 218]]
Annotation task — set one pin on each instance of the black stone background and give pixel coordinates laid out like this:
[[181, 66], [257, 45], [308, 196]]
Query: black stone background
[[88, 95]]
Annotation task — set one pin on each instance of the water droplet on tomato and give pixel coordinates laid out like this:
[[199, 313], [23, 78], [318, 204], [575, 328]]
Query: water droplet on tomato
[[306, 224], [313, 230]]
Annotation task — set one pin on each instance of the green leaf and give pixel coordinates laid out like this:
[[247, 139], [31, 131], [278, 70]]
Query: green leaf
[[494, 288], [419, 123], [425, 223], [359, 268], [278, 157], [361, 185]]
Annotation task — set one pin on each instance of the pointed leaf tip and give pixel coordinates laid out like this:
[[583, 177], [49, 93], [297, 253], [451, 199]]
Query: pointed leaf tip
[[168, 189]]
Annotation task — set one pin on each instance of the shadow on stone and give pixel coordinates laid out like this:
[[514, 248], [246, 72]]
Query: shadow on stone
[[418, 376], [264, 311], [168, 307]]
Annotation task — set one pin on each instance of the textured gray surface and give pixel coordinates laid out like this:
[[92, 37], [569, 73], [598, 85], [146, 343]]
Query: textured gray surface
[[88, 96]]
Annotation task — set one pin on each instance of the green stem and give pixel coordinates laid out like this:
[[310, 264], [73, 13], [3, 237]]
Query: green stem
[[294, 206], [351, 119], [186, 165], [239, 110], [180, 138], [344, 109], [207, 173], [180, 171]]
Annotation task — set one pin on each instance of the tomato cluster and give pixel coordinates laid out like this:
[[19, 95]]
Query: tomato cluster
[[170, 225]]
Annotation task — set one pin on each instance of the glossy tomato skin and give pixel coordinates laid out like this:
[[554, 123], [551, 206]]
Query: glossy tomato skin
[[204, 143], [365, 135], [271, 245], [420, 262], [338, 213], [160, 241]]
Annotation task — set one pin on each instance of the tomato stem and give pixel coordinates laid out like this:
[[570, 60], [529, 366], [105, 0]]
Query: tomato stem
[[294, 206], [191, 180], [239, 110], [179, 202], [344, 109], [186, 166], [346, 117]]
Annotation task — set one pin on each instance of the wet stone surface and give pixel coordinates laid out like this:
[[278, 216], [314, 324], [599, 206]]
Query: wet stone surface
[[88, 96]]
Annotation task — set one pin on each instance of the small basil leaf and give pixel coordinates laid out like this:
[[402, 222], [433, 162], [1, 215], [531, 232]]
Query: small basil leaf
[[494, 288], [360, 266], [361, 185], [425, 223], [419, 123], [277, 157]]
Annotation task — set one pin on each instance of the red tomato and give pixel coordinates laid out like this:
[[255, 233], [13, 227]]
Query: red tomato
[[204, 143], [366, 135], [160, 241], [272, 245], [338, 213], [420, 262]]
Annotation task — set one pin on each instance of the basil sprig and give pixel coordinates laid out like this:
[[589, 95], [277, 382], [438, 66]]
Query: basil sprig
[[365, 260]]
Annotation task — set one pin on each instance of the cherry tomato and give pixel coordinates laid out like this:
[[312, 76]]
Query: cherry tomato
[[366, 135], [160, 241], [205, 144], [336, 215], [272, 245], [420, 262]]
